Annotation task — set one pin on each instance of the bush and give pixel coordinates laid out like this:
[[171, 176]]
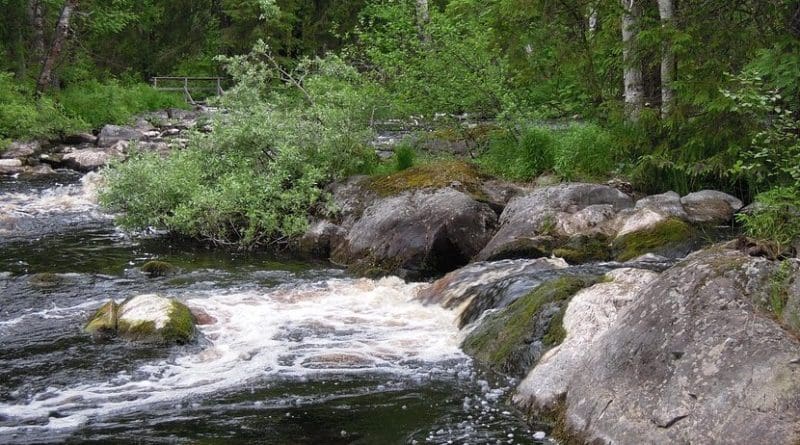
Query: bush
[[585, 152], [775, 218], [519, 158], [258, 175], [22, 117], [96, 104]]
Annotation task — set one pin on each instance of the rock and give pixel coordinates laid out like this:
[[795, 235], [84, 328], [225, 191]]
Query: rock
[[111, 134], [498, 193], [155, 318], [669, 237], [10, 166], [155, 268], [104, 321], [477, 287], [710, 206], [320, 239], [21, 149], [511, 340], [47, 280], [142, 125], [693, 358], [590, 313], [169, 132], [39, 170], [531, 224], [87, 160], [350, 198], [80, 139], [417, 234]]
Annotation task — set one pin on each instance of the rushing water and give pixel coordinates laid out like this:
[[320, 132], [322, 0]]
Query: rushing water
[[290, 353]]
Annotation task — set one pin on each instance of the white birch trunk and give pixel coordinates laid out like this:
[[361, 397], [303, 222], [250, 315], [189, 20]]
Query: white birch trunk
[[632, 71], [423, 19], [666, 12]]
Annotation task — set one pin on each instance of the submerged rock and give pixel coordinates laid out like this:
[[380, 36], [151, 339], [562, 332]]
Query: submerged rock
[[697, 356], [155, 268], [149, 318]]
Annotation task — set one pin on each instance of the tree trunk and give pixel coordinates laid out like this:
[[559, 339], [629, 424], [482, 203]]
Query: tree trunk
[[632, 71], [36, 17], [423, 19], [666, 12], [60, 36], [794, 19]]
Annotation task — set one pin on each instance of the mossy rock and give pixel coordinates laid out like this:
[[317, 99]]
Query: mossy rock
[[533, 247], [47, 280], [153, 318], [104, 321], [514, 339], [665, 237], [155, 268], [435, 175], [583, 249]]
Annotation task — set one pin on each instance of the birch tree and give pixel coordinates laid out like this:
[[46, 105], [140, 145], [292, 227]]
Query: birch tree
[[666, 12], [423, 20], [632, 71]]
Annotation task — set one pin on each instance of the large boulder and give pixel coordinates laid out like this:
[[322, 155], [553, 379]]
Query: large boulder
[[532, 224], [697, 356], [111, 134], [149, 318], [418, 233]]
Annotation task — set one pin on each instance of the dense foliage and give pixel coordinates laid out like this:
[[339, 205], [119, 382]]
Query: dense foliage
[[715, 102], [255, 178]]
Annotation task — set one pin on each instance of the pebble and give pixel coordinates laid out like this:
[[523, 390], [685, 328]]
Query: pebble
[[539, 435]]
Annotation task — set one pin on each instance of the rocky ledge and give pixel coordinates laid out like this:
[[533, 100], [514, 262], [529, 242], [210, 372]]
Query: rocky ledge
[[157, 132], [426, 221]]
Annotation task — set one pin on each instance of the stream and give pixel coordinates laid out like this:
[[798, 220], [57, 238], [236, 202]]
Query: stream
[[294, 353]]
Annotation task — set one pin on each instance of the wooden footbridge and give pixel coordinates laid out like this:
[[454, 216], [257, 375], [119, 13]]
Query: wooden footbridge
[[204, 86]]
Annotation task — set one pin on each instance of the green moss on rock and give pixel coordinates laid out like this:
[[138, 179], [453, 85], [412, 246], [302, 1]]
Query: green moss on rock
[[104, 320], [155, 268], [583, 249], [435, 175], [662, 237], [181, 325], [503, 340], [46, 280]]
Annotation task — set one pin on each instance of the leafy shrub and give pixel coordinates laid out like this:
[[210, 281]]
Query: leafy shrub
[[775, 218], [22, 117], [256, 177], [96, 104], [520, 157]]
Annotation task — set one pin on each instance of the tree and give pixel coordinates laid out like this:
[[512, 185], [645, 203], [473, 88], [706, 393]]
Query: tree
[[666, 13], [632, 71], [423, 20], [60, 36]]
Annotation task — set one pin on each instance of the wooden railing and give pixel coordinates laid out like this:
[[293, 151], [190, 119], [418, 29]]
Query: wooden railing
[[188, 84]]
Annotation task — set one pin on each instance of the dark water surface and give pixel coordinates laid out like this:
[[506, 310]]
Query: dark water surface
[[297, 353]]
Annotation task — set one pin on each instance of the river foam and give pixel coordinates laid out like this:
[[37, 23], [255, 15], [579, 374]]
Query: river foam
[[308, 329]]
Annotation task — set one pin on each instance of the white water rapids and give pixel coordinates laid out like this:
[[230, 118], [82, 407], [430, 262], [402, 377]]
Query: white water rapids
[[336, 326]]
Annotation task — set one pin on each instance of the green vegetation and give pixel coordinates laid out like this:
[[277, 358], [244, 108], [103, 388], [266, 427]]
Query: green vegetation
[[663, 236], [779, 288], [774, 218], [549, 76], [503, 340], [104, 321], [433, 175]]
